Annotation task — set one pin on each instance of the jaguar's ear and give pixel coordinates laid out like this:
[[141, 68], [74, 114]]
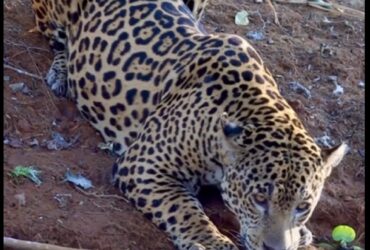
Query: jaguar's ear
[[333, 156]]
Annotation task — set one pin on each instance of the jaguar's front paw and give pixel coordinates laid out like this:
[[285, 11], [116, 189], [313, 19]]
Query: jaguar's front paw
[[306, 237]]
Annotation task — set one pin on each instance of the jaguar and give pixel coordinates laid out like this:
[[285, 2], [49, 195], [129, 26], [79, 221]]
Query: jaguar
[[184, 108]]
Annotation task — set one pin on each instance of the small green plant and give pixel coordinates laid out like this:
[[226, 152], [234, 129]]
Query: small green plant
[[345, 235], [28, 172]]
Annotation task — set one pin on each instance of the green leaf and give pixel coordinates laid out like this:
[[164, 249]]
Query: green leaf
[[28, 172], [343, 233]]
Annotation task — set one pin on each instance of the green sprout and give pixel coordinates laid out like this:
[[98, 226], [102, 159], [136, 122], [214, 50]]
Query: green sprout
[[28, 172], [344, 234]]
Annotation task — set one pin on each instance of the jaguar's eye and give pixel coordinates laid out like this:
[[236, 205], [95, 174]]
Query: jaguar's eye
[[303, 207], [260, 199]]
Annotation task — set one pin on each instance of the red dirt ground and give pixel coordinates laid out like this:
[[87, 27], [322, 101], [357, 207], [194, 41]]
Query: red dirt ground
[[94, 220]]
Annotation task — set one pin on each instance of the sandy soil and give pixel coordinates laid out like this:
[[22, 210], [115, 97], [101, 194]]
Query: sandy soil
[[309, 47]]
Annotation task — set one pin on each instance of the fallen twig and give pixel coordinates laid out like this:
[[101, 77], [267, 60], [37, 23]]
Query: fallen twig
[[32, 245], [21, 71], [327, 6], [25, 46], [348, 11], [103, 207], [276, 19], [102, 195]]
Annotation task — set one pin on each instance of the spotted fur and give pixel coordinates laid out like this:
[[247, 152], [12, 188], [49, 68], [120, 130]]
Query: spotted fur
[[186, 108]]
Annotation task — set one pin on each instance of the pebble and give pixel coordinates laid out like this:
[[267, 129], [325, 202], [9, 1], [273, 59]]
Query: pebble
[[24, 126], [255, 35], [34, 142], [338, 90], [62, 199], [20, 87], [17, 86], [21, 198], [361, 84], [316, 79], [13, 142]]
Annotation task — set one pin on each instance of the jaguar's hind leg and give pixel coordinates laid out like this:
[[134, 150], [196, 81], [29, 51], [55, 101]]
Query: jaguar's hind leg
[[56, 78], [49, 25]]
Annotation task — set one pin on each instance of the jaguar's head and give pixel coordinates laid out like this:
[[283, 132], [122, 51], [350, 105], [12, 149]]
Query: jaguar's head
[[274, 175]]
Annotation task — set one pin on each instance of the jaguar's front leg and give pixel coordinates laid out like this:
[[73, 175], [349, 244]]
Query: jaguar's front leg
[[168, 202]]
